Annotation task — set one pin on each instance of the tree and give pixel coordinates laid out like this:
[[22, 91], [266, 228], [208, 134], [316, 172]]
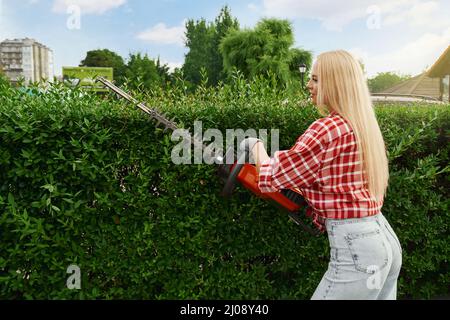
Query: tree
[[199, 37], [142, 71], [203, 40], [363, 66], [163, 72], [224, 23], [3, 79], [298, 57], [385, 80], [263, 50], [106, 58]]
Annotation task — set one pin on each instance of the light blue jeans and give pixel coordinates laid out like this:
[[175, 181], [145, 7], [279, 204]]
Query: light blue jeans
[[365, 260]]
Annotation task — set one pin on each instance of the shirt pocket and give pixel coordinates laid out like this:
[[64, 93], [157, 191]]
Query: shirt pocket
[[368, 250]]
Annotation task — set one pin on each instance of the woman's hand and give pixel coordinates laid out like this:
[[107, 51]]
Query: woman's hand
[[259, 154], [248, 143], [256, 147]]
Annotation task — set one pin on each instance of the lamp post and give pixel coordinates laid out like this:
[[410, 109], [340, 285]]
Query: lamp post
[[302, 69]]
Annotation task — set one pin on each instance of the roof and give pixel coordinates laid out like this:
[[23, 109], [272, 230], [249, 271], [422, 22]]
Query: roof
[[377, 97], [420, 85], [441, 68]]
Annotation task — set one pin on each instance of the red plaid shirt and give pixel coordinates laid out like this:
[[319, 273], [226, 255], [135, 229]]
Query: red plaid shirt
[[324, 167]]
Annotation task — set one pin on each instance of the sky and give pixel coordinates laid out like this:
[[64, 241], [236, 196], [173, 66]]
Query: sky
[[403, 36]]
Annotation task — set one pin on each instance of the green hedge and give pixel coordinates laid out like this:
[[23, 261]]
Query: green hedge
[[88, 181]]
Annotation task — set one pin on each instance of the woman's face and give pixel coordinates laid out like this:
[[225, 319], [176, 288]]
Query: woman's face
[[313, 84]]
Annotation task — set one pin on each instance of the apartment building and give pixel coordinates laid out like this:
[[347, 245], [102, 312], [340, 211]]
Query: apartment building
[[26, 58]]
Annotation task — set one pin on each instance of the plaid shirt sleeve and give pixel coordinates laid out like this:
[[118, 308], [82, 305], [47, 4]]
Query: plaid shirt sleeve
[[294, 168]]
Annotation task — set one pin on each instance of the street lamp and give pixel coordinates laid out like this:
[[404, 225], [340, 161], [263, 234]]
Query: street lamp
[[302, 69]]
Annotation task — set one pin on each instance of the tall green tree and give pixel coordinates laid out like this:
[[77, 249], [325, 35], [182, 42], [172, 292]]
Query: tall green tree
[[203, 39], [263, 50], [199, 41], [385, 80], [163, 72], [106, 58], [142, 71], [224, 23], [298, 57]]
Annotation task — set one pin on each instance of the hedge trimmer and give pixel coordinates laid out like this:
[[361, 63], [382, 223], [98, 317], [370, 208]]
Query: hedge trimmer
[[239, 171]]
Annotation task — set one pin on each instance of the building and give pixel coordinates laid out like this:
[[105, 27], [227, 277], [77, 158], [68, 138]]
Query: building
[[432, 85], [26, 58], [420, 87], [441, 72]]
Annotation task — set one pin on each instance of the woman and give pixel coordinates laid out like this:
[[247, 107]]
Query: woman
[[340, 167]]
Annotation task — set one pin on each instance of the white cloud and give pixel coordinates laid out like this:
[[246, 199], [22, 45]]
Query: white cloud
[[421, 14], [161, 34], [335, 15], [172, 65], [361, 55], [87, 6], [412, 58], [253, 7]]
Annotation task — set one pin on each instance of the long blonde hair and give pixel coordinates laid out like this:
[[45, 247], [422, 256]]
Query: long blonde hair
[[343, 88]]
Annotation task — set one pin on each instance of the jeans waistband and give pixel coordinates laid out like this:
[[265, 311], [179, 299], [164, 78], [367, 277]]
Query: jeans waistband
[[336, 222]]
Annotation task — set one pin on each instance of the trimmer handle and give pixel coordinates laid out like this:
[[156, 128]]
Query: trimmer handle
[[244, 173], [231, 181]]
